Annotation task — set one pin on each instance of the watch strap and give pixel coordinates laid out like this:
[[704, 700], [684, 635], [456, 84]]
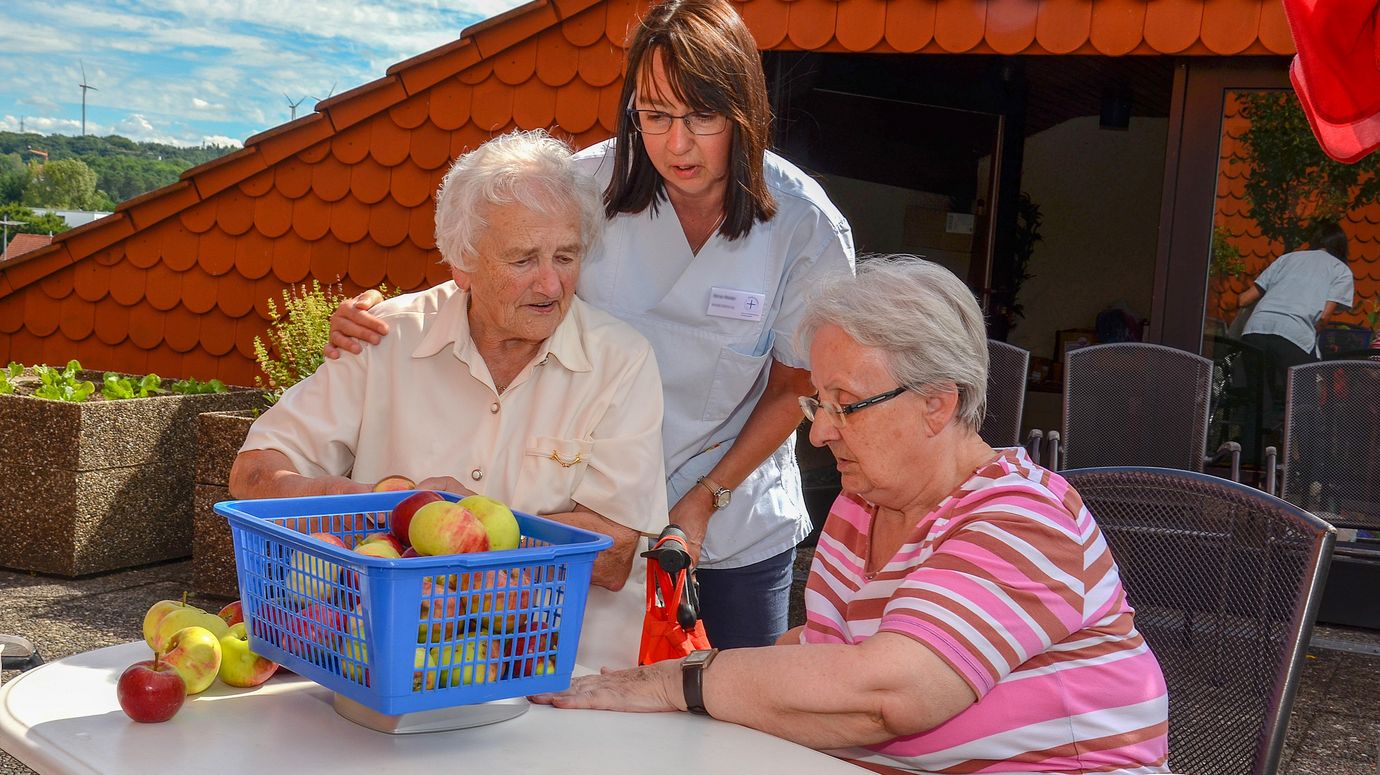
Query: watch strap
[[692, 679]]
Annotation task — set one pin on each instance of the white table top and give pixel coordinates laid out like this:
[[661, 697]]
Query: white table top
[[62, 718]]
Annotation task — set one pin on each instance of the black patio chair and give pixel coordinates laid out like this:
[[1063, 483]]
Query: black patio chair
[[1225, 581], [1130, 403], [1328, 466], [1008, 367]]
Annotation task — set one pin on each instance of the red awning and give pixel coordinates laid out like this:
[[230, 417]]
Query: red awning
[[1337, 72]]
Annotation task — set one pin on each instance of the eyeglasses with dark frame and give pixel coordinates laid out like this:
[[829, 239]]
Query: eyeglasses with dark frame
[[810, 405], [658, 122]]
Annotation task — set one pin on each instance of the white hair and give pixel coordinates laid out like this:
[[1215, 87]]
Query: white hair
[[921, 317], [531, 168]]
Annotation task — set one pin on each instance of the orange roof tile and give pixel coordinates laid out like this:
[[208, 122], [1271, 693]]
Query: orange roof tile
[[346, 192]]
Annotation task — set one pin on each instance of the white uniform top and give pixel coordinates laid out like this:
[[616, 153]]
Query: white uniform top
[[422, 403], [714, 368], [1297, 286]]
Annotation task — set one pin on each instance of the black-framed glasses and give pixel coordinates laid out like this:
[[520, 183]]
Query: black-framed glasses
[[658, 122], [811, 405]]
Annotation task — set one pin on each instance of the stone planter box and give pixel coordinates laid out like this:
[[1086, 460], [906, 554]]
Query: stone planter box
[[219, 437], [99, 485]]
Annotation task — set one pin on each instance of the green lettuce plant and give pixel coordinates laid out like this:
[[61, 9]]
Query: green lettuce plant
[[63, 384]]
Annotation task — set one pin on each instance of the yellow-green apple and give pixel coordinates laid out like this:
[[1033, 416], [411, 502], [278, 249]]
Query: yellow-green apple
[[401, 516], [468, 663], [503, 596], [194, 652], [427, 671], [443, 527], [441, 612], [497, 519], [238, 665], [393, 483], [178, 618], [315, 577], [150, 691], [356, 662], [160, 611], [232, 613], [384, 538], [381, 549]]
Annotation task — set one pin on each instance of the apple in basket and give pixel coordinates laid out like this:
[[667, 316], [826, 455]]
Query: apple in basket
[[441, 612], [355, 664], [150, 691], [386, 539], [495, 592], [314, 577], [314, 626], [467, 663], [238, 665], [401, 517], [443, 527], [530, 655], [497, 519]]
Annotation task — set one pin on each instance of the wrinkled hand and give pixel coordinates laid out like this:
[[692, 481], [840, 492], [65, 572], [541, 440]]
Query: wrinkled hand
[[650, 689], [692, 513], [444, 484], [351, 322]]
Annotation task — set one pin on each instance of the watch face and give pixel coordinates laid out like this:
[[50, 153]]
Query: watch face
[[698, 658], [722, 498]]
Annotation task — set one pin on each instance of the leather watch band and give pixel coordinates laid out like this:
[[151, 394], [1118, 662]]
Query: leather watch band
[[692, 678]]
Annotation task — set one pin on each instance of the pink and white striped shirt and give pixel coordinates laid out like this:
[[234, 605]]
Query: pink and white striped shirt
[[1010, 582]]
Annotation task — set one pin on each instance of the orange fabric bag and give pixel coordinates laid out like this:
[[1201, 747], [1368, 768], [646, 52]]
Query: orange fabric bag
[[671, 628]]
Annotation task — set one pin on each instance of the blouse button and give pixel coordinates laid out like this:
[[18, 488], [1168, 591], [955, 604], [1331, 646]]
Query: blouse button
[[493, 408], [477, 474]]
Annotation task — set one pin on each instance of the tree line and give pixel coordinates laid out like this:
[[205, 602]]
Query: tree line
[[84, 173]]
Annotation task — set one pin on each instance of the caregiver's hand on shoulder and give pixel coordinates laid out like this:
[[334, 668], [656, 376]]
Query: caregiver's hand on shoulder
[[352, 322]]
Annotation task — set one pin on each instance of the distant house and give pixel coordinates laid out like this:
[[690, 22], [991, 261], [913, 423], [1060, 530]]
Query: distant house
[[925, 120], [25, 243], [74, 218]]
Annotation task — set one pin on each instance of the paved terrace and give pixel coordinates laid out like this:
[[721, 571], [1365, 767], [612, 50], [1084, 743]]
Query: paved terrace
[[1335, 728]]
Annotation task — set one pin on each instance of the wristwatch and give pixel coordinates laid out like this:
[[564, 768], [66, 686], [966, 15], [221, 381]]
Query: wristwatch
[[722, 495], [692, 678]]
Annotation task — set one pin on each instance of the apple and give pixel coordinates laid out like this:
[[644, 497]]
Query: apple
[[194, 652], [427, 670], [315, 625], [385, 538], [238, 665], [315, 577], [356, 661], [381, 549], [178, 618], [441, 612], [150, 691], [531, 654], [160, 611], [497, 519], [488, 596], [411, 552], [393, 483], [443, 527], [232, 613], [401, 516], [469, 663]]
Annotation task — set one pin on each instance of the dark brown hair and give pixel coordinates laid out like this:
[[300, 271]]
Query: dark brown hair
[[1328, 235], [712, 63]]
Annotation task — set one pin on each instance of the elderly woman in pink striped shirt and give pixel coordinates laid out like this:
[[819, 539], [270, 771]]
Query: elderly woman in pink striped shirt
[[963, 611]]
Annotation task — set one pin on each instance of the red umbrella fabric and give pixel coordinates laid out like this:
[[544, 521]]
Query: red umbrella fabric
[[1337, 72]]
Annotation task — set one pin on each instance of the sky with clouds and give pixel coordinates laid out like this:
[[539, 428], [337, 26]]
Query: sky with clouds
[[191, 72]]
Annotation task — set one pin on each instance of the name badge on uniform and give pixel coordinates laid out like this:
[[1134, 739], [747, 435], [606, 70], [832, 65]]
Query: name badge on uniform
[[739, 305]]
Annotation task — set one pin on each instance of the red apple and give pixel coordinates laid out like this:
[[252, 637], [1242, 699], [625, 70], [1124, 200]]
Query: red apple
[[531, 654], [503, 596], [401, 517], [443, 527], [232, 613], [411, 552], [441, 611], [313, 626], [150, 691], [384, 538], [394, 482]]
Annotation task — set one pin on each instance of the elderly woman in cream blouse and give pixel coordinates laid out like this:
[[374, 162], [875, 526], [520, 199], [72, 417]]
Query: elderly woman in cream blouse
[[501, 383]]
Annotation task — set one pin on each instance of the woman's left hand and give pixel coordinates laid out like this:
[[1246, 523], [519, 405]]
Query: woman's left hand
[[650, 689]]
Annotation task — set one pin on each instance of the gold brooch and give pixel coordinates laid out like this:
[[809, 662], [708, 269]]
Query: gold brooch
[[578, 459]]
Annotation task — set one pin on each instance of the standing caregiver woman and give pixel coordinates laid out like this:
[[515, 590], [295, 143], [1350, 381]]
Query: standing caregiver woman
[[710, 247]]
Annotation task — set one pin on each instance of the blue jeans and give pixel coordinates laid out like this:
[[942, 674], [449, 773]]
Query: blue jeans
[[747, 606]]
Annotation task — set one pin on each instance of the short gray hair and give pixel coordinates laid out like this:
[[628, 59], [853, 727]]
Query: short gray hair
[[921, 317], [532, 168]]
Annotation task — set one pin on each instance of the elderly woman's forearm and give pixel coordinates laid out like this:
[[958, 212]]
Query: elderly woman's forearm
[[267, 473], [835, 696], [611, 566]]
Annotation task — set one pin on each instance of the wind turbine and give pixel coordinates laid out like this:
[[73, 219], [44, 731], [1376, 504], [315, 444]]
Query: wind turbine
[[84, 87], [293, 105]]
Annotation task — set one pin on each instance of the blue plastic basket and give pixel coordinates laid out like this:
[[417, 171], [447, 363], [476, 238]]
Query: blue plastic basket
[[410, 634]]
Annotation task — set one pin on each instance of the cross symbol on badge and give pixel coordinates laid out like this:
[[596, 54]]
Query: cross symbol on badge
[[750, 303]]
